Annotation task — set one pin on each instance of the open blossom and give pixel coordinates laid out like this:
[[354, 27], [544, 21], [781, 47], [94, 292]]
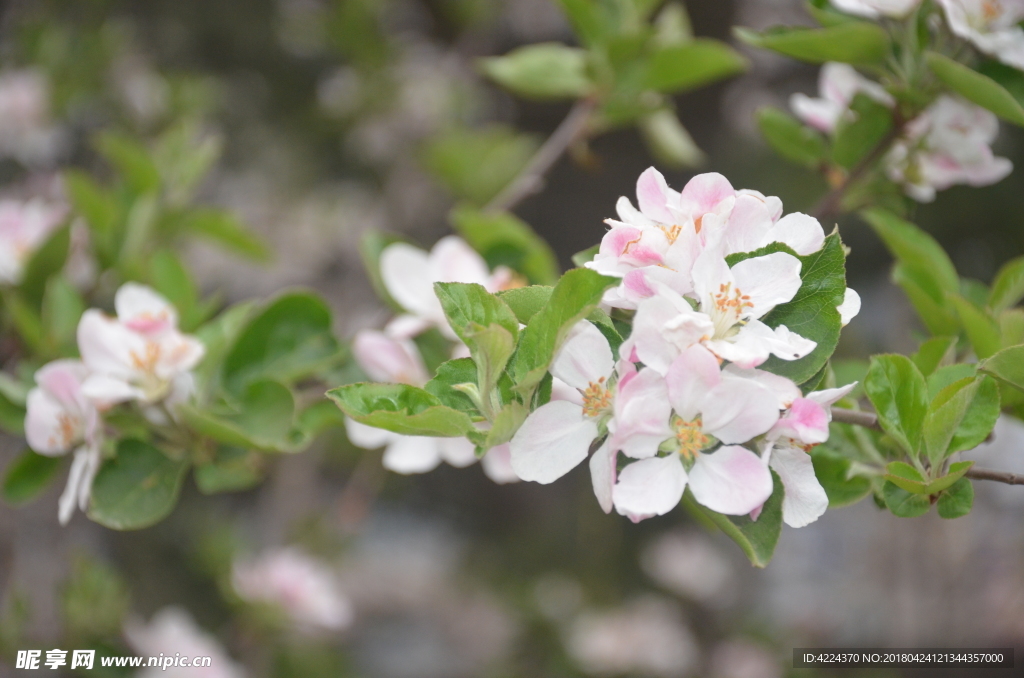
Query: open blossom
[[172, 632], [409, 275], [993, 26], [303, 587], [948, 144], [874, 9], [838, 84], [631, 406], [140, 354], [658, 244], [24, 227], [60, 419]]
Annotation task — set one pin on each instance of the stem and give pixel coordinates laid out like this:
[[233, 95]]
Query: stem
[[531, 178], [997, 476]]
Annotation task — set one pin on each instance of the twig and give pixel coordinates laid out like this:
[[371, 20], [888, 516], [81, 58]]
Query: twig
[[997, 476], [531, 178], [830, 204], [855, 417]]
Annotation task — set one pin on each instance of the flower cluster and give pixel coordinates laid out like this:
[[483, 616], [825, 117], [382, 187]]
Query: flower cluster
[[138, 356], [683, 403]]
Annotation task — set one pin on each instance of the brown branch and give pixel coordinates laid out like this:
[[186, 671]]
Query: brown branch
[[855, 417], [996, 476], [531, 179]]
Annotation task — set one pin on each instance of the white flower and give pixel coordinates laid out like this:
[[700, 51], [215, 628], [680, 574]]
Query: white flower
[[303, 587], [411, 454], [730, 303], [140, 355], [389, 359], [172, 632], [710, 405], [948, 144], [24, 227], [60, 418], [409, 275], [874, 9], [838, 84], [26, 132], [992, 25]]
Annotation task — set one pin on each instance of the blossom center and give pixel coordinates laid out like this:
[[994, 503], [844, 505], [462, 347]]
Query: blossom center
[[690, 437], [671, 232], [991, 10], [69, 426], [728, 306], [597, 399]]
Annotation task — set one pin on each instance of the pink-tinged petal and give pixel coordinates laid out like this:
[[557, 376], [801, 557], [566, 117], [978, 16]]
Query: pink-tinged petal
[[562, 391], [772, 202], [142, 309], [602, 475], [107, 391], [649, 487], [805, 500], [390, 360], [552, 441], [452, 260], [50, 427], [177, 353], [690, 378], [584, 358], [784, 390], [731, 480], [107, 346], [412, 454], [748, 224], [497, 465], [806, 421], [406, 326], [768, 281], [738, 410], [830, 396], [405, 271], [367, 437], [704, 192], [642, 413], [631, 215], [663, 326], [801, 232], [63, 380], [850, 307], [821, 114], [653, 195], [459, 452]]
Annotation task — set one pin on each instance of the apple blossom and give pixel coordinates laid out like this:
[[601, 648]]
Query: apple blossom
[[838, 84], [24, 227], [26, 132], [948, 144], [873, 9], [140, 355], [60, 418], [172, 632], [303, 587], [409, 275], [389, 359], [411, 454], [993, 26]]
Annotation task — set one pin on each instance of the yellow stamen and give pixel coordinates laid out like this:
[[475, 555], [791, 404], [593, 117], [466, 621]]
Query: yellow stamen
[[597, 399]]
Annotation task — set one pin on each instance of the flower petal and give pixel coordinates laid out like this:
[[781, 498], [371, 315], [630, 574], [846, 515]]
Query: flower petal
[[731, 480], [452, 260], [653, 195], [106, 391], [585, 357], [459, 452], [690, 378], [390, 360], [412, 454], [737, 410], [649, 487], [405, 272], [107, 346], [642, 413], [805, 500], [497, 465], [602, 475], [850, 307], [142, 309], [703, 193], [806, 421], [551, 442], [801, 232], [367, 437], [50, 427], [769, 280]]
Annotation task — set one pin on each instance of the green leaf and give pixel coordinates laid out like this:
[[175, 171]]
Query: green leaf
[[525, 302], [225, 229], [131, 159], [855, 42], [945, 413], [547, 70], [1008, 285], [505, 240], [46, 262], [1007, 365], [907, 478], [169, 277], [12, 412], [944, 376], [812, 313], [976, 87], [468, 306], [61, 311], [673, 26], [371, 245], [791, 139], [139, 228], [475, 164], [400, 408], [137, 488], [982, 331], [263, 418], [756, 538], [586, 19], [833, 472], [682, 67], [938, 316], [933, 353], [980, 418], [668, 140], [1011, 327], [825, 15], [231, 470], [94, 204], [573, 298], [26, 320], [28, 475], [857, 137], [904, 504], [506, 423], [957, 501], [218, 336], [916, 250], [290, 339], [450, 374], [899, 393], [584, 256]]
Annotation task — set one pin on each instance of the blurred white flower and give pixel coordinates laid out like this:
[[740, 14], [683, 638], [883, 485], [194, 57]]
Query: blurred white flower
[[170, 632], [992, 25], [24, 227], [873, 9], [690, 565], [26, 132], [304, 588], [838, 84], [743, 659], [646, 637], [948, 144]]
